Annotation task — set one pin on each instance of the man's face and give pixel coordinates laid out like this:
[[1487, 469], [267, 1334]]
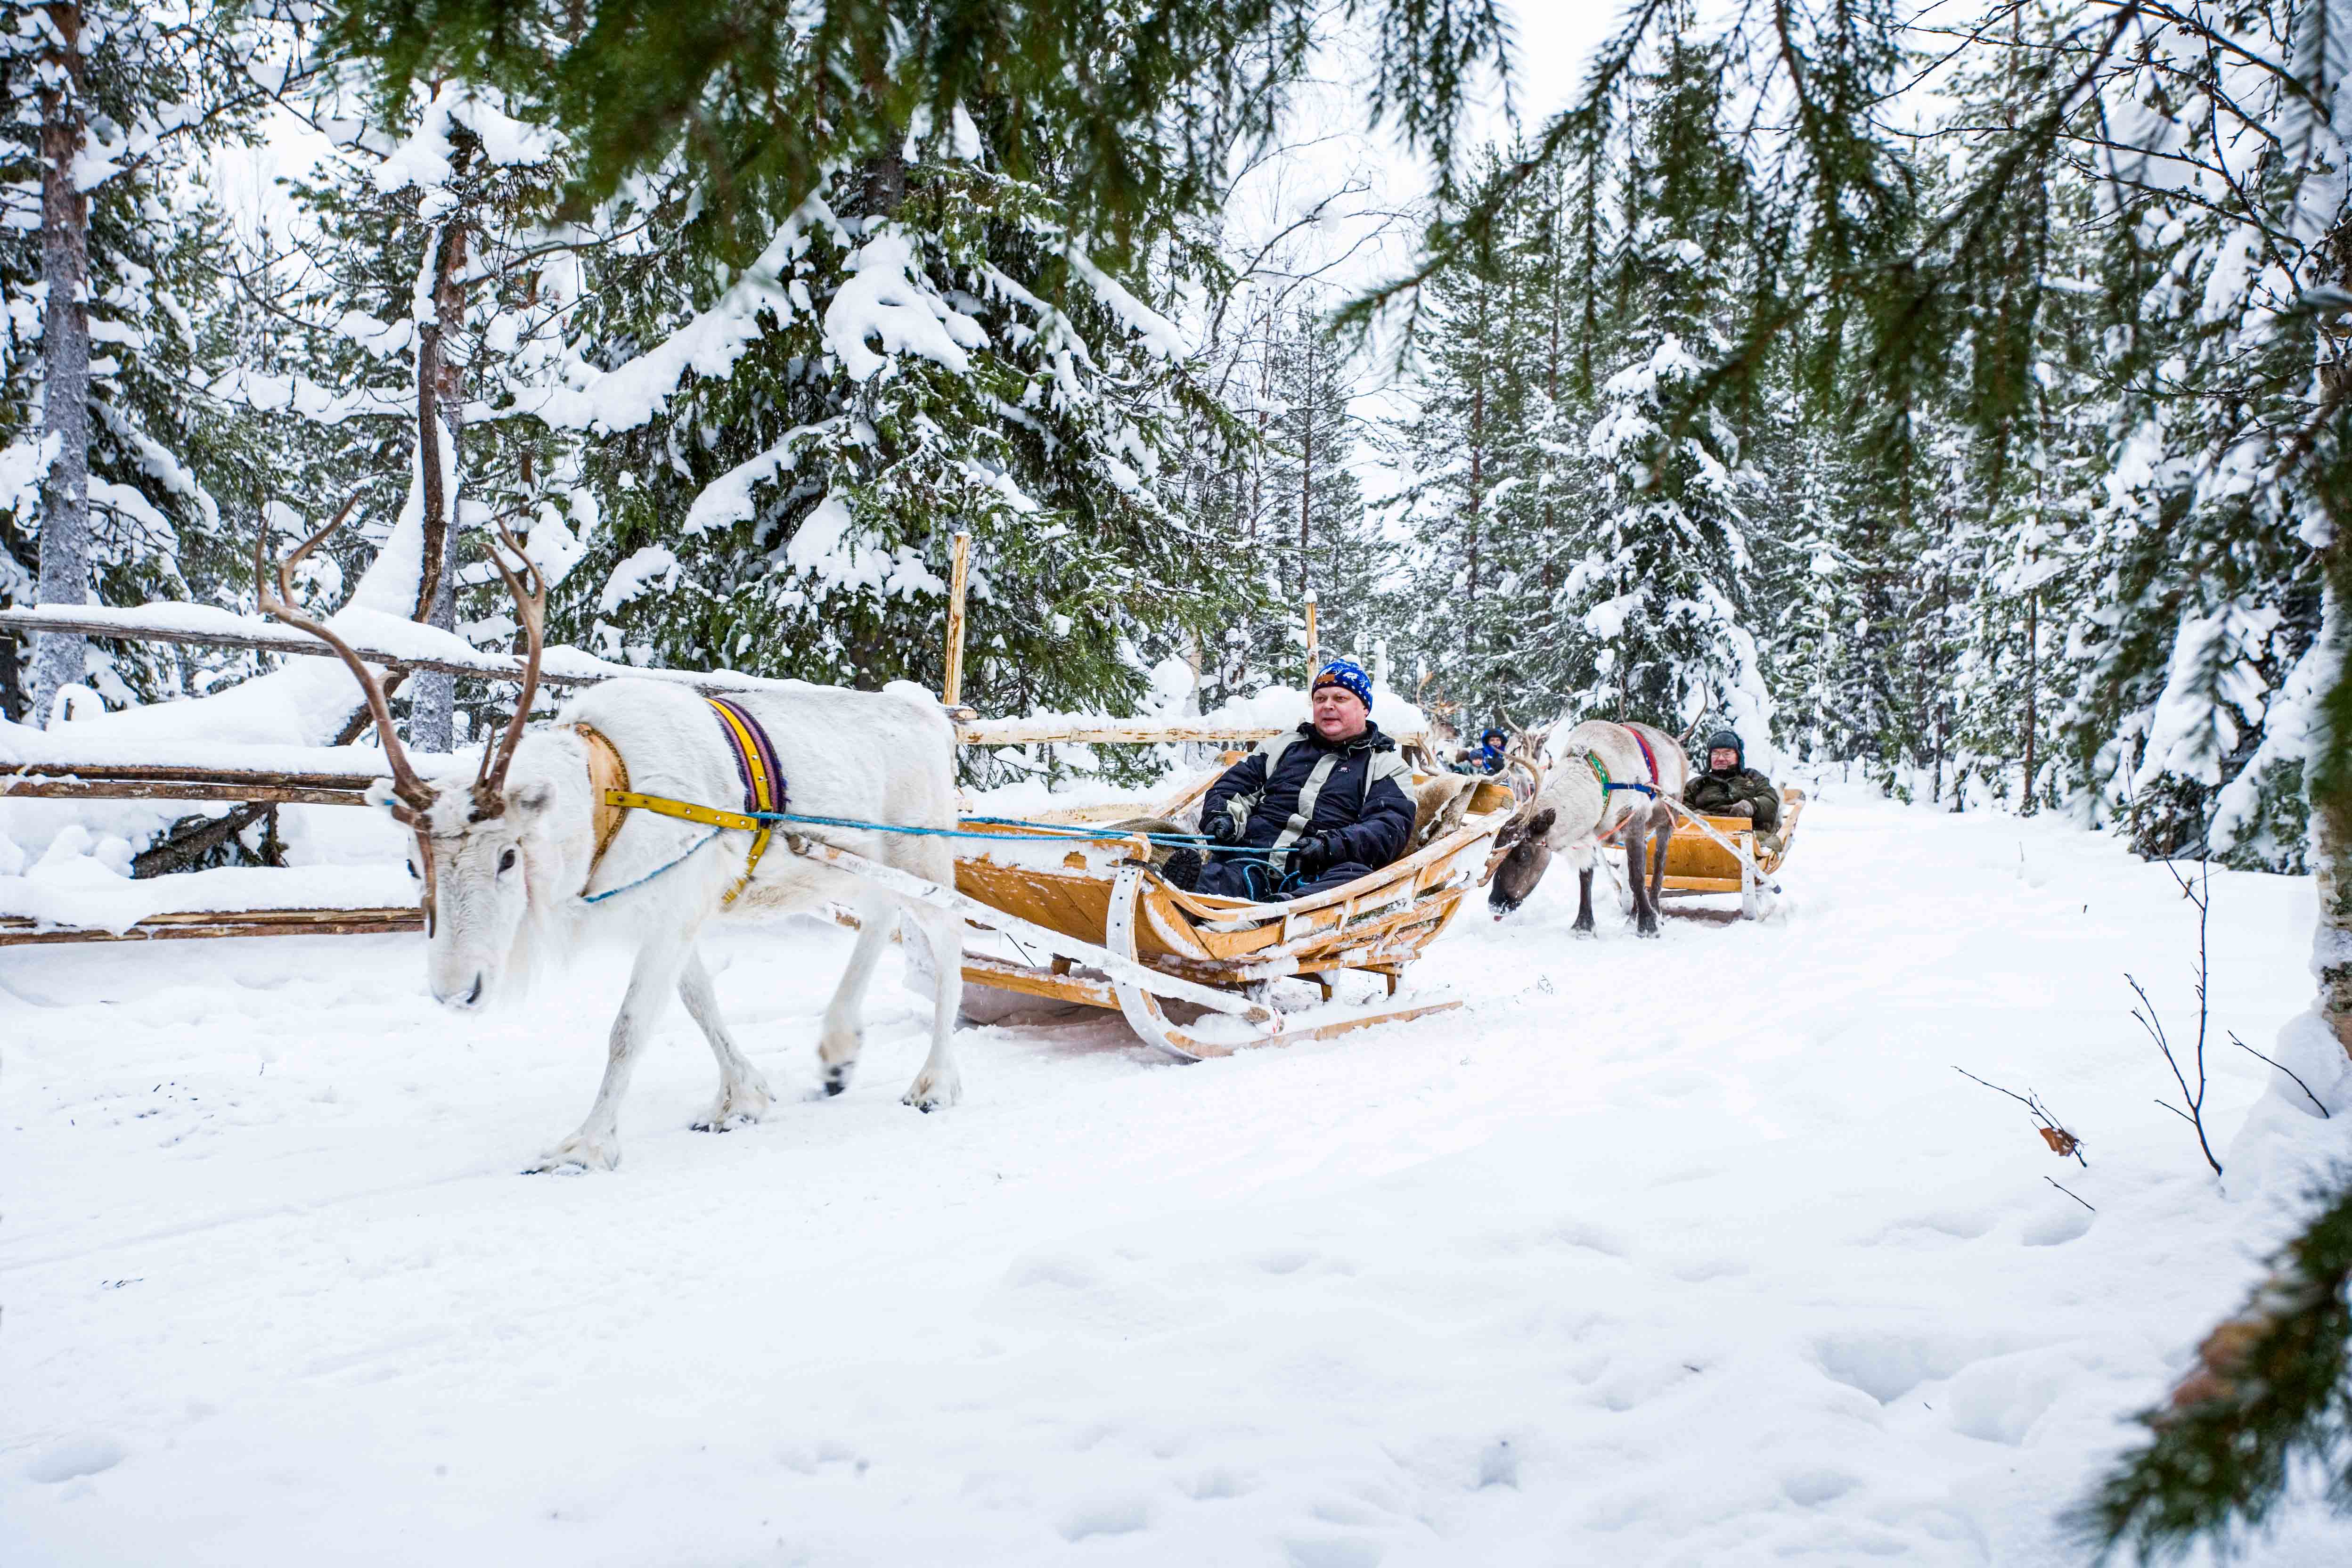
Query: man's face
[[1723, 759], [1338, 715]]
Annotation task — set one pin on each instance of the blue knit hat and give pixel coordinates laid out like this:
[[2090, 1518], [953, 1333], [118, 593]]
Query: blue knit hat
[[1347, 675]]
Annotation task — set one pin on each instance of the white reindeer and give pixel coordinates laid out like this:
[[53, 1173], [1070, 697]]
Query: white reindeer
[[511, 860], [1576, 811]]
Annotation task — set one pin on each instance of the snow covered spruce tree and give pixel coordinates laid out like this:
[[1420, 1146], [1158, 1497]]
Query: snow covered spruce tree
[[921, 349], [926, 202], [1300, 506], [1660, 583], [1471, 456], [114, 268], [414, 314]]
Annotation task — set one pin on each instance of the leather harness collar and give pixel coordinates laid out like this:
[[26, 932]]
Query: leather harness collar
[[607, 776]]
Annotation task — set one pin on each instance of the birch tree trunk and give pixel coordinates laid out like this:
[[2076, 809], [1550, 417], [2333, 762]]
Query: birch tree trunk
[[440, 394], [2327, 774], [61, 660]]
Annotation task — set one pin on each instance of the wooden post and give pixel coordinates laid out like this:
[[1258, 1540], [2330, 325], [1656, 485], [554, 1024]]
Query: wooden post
[[952, 691], [1313, 644]]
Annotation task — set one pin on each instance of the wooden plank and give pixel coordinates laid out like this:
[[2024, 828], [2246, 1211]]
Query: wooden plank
[[951, 688], [189, 924], [980, 970], [153, 789], [168, 773], [562, 666]]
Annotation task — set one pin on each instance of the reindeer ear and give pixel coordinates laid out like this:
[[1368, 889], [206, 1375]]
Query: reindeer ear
[[1540, 824], [530, 799]]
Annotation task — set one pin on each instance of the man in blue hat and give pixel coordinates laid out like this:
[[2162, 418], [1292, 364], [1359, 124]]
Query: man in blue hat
[[1323, 805]]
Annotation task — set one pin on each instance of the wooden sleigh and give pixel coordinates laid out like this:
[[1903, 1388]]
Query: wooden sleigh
[[1091, 922], [1720, 855]]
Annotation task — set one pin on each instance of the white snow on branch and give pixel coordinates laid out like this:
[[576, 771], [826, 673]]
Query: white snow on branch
[[727, 500], [1159, 334], [822, 546], [23, 466], [126, 501], [423, 159], [299, 394], [626, 397], [885, 297], [654, 566], [2211, 672]]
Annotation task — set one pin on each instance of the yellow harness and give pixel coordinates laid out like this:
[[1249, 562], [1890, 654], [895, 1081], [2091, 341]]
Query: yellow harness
[[755, 762]]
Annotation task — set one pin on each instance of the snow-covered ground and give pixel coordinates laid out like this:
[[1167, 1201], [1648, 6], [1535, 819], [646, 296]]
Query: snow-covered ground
[[1687, 1252]]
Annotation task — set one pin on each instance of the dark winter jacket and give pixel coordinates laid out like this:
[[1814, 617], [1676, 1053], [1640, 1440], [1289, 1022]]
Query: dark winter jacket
[[1714, 795], [1299, 784]]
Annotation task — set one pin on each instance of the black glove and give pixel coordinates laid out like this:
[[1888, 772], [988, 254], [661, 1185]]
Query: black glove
[[1225, 828], [1312, 855]]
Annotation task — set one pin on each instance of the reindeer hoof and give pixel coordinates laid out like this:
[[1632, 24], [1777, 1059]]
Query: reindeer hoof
[[575, 1154], [836, 1079], [1583, 932], [739, 1107], [932, 1093]]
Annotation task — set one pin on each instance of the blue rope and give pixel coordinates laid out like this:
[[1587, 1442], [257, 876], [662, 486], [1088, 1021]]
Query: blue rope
[[615, 892], [1047, 832], [1039, 832]]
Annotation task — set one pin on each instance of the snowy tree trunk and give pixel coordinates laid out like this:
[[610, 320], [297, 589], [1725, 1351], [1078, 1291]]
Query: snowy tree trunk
[[2331, 808], [439, 399], [2328, 773], [1307, 475], [61, 660], [2032, 679]]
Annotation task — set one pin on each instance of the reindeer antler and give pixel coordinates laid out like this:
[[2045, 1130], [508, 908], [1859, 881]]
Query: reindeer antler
[[413, 792], [529, 591]]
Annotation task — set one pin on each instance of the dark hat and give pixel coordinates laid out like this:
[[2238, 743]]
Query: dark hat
[[1723, 738]]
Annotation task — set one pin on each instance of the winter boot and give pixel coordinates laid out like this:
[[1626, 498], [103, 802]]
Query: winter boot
[[1183, 868]]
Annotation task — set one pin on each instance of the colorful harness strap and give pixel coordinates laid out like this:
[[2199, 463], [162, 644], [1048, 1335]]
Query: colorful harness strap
[[763, 776], [1647, 755], [1608, 784]]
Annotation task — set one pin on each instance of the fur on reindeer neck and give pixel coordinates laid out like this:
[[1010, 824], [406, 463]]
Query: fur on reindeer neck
[[1576, 800], [558, 840]]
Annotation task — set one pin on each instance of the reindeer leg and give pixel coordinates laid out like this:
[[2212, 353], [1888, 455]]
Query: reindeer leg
[[938, 1083], [1583, 926], [597, 1145], [844, 1035], [1645, 874], [1658, 870], [743, 1096]]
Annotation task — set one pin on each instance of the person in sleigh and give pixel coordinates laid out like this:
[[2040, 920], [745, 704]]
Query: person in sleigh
[[1323, 805]]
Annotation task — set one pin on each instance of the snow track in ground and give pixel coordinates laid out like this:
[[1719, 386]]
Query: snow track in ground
[[1694, 1251]]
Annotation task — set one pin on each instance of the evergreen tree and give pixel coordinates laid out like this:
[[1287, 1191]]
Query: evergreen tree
[[112, 264], [1662, 583]]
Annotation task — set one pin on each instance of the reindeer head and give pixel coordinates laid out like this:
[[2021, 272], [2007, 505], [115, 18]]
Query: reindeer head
[[1522, 851], [471, 837]]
